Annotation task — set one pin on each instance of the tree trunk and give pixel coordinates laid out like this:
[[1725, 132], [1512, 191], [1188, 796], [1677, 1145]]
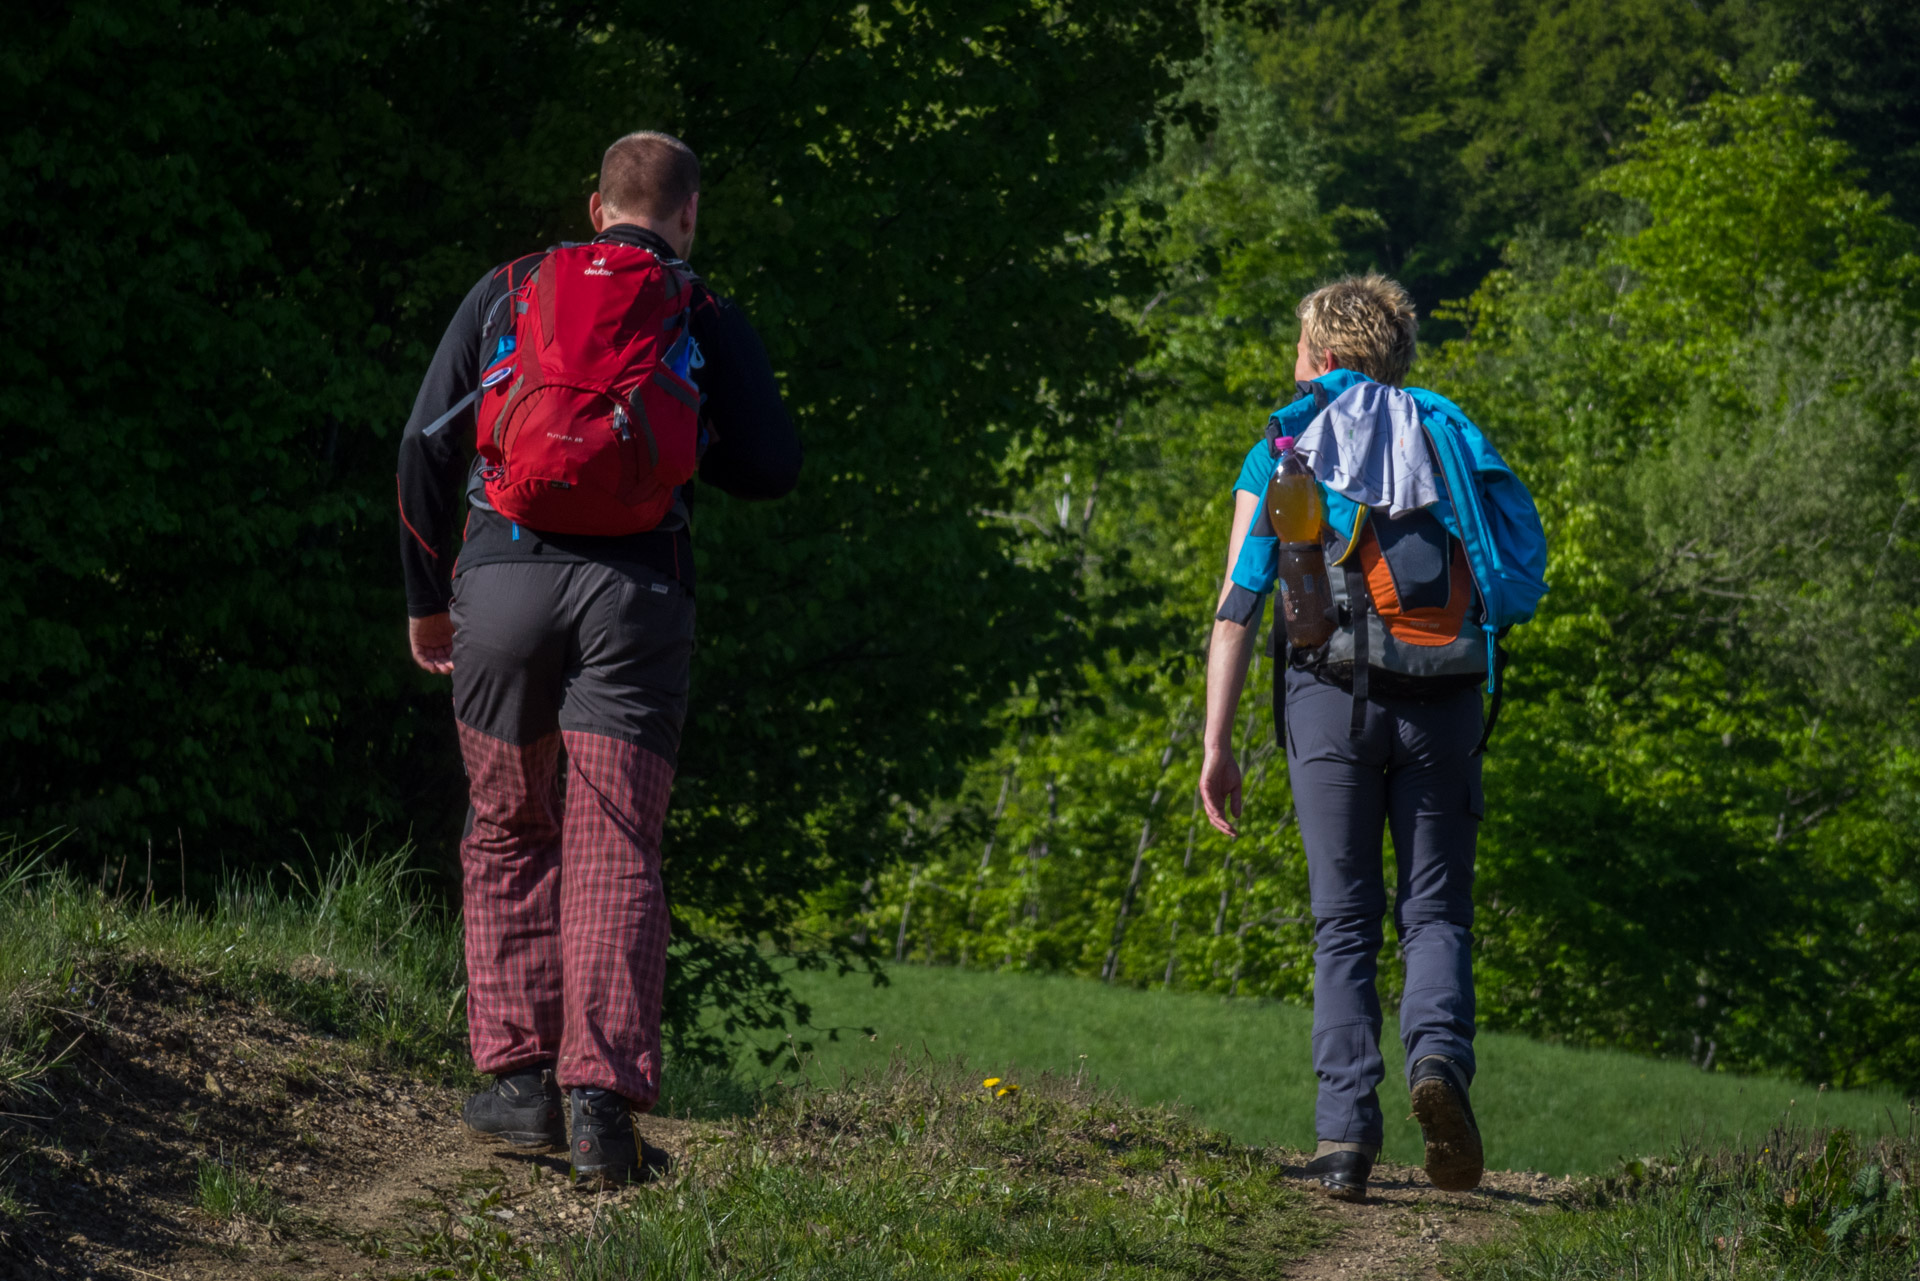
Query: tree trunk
[[993, 834], [1112, 965], [860, 935], [1220, 915], [906, 909], [993, 826], [1193, 824], [1175, 732]]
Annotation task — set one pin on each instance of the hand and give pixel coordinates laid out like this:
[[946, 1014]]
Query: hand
[[1219, 788], [431, 639]]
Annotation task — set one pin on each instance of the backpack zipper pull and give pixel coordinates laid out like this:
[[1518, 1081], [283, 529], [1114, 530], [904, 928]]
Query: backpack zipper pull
[[620, 423]]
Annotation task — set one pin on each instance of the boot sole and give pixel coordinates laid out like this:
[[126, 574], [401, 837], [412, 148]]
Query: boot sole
[[609, 1179], [617, 1176], [529, 1141], [1455, 1158], [1342, 1191], [642, 1170]]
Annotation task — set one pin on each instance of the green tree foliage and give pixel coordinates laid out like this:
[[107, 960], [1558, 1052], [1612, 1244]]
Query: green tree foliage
[[1447, 124], [1718, 394], [233, 234], [1452, 122], [1085, 809], [1858, 65], [1699, 838]]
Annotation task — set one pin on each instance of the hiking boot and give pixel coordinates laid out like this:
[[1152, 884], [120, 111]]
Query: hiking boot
[[605, 1146], [1342, 1172], [1455, 1160], [522, 1109]]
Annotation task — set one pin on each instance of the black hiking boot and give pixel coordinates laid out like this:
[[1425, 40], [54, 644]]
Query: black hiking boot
[[1342, 1174], [606, 1147], [522, 1108], [1455, 1160]]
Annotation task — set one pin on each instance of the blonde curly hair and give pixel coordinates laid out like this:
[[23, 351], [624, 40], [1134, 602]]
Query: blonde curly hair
[[1366, 321]]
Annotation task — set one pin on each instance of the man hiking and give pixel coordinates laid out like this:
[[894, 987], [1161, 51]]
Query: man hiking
[[1403, 548], [595, 380]]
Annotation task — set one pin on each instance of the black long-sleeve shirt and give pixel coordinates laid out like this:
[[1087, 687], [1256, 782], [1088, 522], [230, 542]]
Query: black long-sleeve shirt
[[752, 450]]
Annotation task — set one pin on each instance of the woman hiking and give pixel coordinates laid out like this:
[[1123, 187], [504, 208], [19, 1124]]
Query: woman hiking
[[1391, 621]]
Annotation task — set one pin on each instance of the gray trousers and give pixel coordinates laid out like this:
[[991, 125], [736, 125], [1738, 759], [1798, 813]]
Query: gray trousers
[[593, 648], [1413, 770]]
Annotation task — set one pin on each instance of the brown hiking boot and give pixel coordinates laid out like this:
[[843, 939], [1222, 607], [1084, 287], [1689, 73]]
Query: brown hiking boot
[[1455, 1159]]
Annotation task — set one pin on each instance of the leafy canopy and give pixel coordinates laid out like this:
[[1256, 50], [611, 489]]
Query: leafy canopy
[[234, 232]]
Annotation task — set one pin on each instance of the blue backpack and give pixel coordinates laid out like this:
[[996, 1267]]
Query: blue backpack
[[1493, 515], [1496, 521], [1486, 507]]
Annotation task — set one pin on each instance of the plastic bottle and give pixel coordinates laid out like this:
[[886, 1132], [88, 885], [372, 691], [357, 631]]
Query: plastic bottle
[[1297, 515]]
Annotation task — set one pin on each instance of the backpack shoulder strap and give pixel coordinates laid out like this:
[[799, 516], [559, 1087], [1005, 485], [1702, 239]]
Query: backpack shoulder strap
[[542, 280]]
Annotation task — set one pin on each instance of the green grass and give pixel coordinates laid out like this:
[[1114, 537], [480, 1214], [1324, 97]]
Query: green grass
[[704, 1092], [916, 1171], [885, 1157], [226, 1191], [360, 952], [1794, 1206], [911, 1170], [1245, 1067]]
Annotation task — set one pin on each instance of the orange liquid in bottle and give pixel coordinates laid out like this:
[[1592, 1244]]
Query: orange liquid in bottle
[[1293, 502], [1297, 515]]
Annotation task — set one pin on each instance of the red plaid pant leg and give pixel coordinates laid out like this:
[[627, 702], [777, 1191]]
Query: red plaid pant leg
[[510, 863], [613, 916]]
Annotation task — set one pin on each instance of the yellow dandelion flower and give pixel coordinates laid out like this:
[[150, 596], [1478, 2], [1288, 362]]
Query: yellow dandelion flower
[[1006, 1090], [989, 1083]]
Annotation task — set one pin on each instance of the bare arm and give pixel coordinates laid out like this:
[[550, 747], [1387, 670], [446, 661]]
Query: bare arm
[[1228, 653]]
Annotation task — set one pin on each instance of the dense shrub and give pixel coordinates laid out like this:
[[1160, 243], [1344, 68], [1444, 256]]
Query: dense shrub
[[233, 233]]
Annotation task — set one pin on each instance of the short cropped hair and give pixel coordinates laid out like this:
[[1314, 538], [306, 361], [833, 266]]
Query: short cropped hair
[[650, 174], [1367, 322]]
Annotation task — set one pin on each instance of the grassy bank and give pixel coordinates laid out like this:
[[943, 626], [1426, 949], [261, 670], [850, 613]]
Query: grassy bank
[[884, 1157], [358, 952], [362, 953], [917, 1170], [1245, 1067], [1807, 1207], [189, 1028]]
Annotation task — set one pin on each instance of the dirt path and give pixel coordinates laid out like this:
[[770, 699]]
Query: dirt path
[[365, 1173], [1398, 1233], [359, 1172]]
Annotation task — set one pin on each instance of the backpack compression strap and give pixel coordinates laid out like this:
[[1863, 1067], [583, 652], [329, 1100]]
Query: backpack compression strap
[[486, 331], [1359, 605], [453, 413], [1499, 692]]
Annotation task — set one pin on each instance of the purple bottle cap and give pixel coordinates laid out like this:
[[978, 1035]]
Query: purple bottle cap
[[1283, 444]]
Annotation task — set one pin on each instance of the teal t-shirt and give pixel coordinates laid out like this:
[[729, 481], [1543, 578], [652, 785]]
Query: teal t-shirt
[[1259, 561], [1257, 472]]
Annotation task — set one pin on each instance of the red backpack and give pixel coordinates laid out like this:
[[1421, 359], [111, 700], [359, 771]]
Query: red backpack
[[587, 421]]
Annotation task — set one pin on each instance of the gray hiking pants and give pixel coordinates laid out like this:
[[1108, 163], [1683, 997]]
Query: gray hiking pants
[[576, 646], [1411, 770]]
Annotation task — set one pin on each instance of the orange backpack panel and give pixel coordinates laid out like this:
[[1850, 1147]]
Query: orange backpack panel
[[1426, 624]]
